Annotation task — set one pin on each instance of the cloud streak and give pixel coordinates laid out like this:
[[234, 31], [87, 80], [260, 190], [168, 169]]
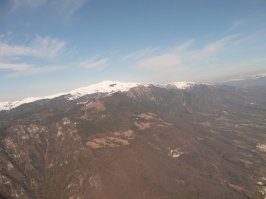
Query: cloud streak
[[213, 48], [139, 54], [33, 4], [61, 7], [67, 7], [94, 62], [181, 55], [15, 67]]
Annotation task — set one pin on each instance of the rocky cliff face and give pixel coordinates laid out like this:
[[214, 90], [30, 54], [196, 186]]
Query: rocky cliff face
[[148, 142]]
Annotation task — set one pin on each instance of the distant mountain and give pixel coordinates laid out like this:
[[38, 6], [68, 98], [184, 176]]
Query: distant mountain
[[105, 87], [255, 80]]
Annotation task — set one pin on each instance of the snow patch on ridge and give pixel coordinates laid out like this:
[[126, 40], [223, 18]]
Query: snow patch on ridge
[[104, 87], [179, 85], [183, 85], [154, 84]]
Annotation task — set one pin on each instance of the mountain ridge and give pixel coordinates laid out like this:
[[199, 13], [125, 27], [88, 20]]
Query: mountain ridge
[[107, 87]]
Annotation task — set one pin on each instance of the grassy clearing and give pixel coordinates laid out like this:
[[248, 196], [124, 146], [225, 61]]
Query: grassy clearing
[[262, 171], [241, 144]]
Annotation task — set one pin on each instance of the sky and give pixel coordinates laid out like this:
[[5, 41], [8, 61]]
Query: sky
[[49, 46]]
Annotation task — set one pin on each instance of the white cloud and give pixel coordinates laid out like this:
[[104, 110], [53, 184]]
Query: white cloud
[[94, 62], [46, 47], [140, 53]]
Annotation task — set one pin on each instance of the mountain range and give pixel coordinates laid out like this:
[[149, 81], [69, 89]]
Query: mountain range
[[254, 80], [130, 140], [115, 86], [106, 87]]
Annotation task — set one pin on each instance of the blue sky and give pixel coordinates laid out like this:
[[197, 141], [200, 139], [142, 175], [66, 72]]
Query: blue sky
[[55, 46]]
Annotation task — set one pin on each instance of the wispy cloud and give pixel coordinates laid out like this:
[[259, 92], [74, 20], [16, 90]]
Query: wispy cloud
[[33, 4], [237, 24], [213, 48], [94, 62], [181, 55], [46, 47], [258, 62], [34, 71], [15, 67], [67, 7], [185, 57], [61, 7], [23, 69], [185, 45], [139, 54], [159, 62]]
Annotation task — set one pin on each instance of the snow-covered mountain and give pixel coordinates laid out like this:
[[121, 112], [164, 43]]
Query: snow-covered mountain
[[107, 87], [255, 80]]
